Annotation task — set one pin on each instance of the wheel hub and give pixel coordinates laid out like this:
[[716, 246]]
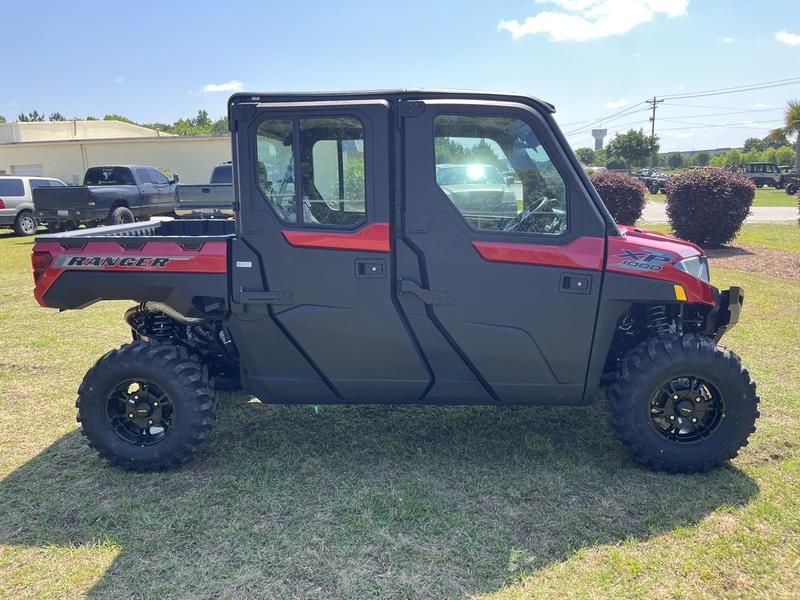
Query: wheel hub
[[686, 409], [139, 412]]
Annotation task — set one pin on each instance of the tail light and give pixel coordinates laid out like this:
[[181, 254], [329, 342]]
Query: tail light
[[40, 261], [2, 204]]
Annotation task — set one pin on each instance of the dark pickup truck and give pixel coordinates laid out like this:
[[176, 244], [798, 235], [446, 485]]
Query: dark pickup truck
[[352, 276], [110, 195], [208, 201]]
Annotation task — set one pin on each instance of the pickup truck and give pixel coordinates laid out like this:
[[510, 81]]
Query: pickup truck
[[351, 276], [110, 194], [212, 201]]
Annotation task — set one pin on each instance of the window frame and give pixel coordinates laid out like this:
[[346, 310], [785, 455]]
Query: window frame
[[295, 117], [495, 110]]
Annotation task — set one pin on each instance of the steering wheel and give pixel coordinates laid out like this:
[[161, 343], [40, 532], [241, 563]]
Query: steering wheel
[[543, 209]]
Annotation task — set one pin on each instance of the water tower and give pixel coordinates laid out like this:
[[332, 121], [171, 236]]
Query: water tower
[[599, 135]]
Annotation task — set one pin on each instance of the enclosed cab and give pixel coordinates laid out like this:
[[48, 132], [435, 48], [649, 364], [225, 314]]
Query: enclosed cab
[[355, 273]]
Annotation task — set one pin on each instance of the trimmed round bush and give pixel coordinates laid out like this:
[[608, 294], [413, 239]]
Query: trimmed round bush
[[708, 206], [623, 196]]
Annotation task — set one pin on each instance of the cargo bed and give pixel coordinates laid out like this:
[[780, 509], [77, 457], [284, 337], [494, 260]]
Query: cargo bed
[[138, 262]]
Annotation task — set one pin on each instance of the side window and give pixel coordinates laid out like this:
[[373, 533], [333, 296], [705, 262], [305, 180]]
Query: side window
[[498, 175], [275, 166], [143, 175], [332, 170], [11, 187], [330, 157], [39, 183], [157, 176]]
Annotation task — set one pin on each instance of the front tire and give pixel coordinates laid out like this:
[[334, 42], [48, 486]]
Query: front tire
[[147, 406], [682, 404], [25, 223]]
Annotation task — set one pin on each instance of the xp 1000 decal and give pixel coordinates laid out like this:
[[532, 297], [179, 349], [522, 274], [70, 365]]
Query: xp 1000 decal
[[644, 259]]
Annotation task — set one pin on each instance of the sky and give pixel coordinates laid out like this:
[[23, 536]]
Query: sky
[[160, 61]]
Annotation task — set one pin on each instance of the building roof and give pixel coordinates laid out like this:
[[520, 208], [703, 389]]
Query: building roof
[[58, 131]]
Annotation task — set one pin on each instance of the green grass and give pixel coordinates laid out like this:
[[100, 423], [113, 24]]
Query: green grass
[[398, 502], [764, 197], [777, 235]]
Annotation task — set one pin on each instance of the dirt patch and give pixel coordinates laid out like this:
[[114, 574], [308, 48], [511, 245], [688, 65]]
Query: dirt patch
[[778, 263]]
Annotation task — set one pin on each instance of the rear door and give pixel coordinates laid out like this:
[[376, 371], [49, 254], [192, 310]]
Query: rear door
[[500, 255], [165, 194], [319, 321], [147, 192], [12, 195]]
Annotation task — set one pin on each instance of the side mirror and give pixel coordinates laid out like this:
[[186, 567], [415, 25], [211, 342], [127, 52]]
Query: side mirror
[[175, 178]]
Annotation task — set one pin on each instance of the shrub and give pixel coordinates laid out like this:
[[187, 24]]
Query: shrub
[[708, 206], [623, 195]]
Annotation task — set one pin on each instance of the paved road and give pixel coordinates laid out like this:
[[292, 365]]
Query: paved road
[[655, 212]]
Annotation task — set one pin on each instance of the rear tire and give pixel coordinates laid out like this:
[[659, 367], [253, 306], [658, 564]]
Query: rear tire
[[147, 406], [791, 188], [25, 223], [120, 215], [682, 404]]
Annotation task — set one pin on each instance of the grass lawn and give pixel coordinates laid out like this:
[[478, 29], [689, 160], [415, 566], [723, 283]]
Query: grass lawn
[[777, 235], [764, 197], [395, 502]]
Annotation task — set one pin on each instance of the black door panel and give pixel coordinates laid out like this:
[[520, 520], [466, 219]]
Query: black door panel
[[521, 337]]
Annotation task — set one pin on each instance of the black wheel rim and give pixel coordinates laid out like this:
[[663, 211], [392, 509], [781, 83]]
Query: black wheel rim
[[140, 412], [687, 409]]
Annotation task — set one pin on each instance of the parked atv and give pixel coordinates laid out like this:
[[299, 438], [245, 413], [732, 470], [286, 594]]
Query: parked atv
[[354, 276]]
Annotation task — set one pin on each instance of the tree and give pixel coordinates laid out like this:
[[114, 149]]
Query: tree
[[585, 155], [633, 147], [600, 157], [30, 117], [776, 139], [754, 144], [57, 116], [701, 158], [784, 155], [220, 126], [116, 117], [2, 119], [791, 127], [675, 160], [91, 118]]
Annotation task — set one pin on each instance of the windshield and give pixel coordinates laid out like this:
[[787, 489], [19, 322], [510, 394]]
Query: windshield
[[468, 174], [108, 176]]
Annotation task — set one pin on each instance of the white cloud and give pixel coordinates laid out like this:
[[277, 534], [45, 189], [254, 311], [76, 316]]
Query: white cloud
[[616, 103], [728, 40], [230, 86], [784, 37], [761, 105], [583, 20]]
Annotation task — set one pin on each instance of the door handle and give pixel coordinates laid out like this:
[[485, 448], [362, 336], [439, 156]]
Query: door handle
[[432, 297], [576, 283]]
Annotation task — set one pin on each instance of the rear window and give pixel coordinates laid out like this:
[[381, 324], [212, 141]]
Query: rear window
[[222, 174], [108, 176], [11, 187]]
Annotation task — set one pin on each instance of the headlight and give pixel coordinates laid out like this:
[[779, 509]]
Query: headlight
[[696, 266]]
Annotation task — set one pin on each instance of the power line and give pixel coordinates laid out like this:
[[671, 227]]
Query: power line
[[668, 103], [634, 108], [748, 125], [735, 89]]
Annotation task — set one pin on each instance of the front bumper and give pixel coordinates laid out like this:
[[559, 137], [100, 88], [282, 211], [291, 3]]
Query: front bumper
[[726, 312]]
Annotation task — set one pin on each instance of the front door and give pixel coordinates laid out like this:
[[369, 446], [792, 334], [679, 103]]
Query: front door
[[500, 256], [315, 316]]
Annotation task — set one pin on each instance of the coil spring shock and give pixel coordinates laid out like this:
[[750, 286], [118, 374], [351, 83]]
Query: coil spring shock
[[657, 319]]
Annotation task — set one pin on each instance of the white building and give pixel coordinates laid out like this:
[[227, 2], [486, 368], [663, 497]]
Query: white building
[[65, 149]]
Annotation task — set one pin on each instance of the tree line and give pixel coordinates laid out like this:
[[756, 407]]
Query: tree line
[[200, 124]]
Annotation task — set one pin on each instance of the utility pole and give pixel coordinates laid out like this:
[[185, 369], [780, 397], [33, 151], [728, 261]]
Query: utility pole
[[653, 103]]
